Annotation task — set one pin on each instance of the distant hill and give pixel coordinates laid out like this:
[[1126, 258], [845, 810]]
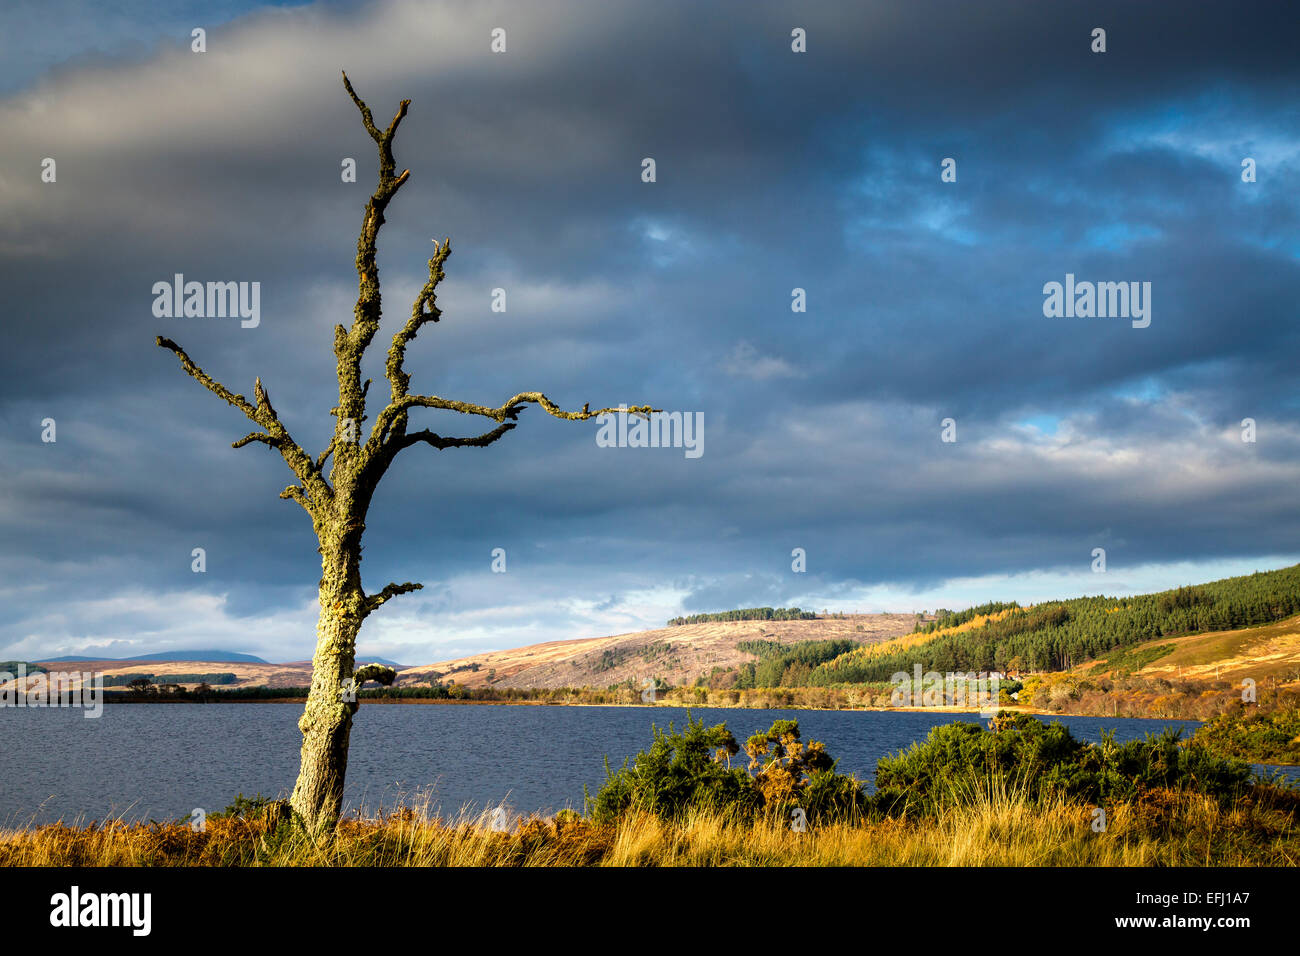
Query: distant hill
[[723, 650], [216, 656], [371, 659], [12, 667], [1264, 653], [1060, 635]]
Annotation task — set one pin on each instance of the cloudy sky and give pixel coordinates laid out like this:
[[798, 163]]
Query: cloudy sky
[[775, 170]]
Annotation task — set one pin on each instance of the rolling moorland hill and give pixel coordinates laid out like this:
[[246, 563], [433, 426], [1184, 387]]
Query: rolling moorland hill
[[674, 655]]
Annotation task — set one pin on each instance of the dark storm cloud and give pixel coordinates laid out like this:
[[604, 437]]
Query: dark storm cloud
[[775, 171]]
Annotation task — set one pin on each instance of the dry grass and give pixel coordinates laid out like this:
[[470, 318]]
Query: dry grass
[[986, 829]]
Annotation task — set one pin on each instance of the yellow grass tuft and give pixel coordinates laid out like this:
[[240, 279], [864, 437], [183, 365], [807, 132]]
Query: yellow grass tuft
[[990, 826]]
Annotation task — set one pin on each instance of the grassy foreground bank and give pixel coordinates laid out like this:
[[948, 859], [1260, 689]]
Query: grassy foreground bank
[[1165, 828]]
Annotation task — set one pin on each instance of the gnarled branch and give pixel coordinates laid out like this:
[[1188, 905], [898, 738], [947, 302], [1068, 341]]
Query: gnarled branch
[[389, 592], [376, 672], [255, 436], [439, 442], [376, 464], [207, 381], [350, 345], [324, 456], [383, 140], [263, 413], [297, 493], [395, 413], [515, 405], [398, 379]]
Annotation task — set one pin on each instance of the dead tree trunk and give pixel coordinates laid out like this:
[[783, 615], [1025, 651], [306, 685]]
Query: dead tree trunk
[[337, 504]]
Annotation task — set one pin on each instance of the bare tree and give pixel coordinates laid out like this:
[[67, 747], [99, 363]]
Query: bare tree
[[337, 504]]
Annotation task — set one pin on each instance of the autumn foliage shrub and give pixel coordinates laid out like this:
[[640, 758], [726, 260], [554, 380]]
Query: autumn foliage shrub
[[1249, 732], [691, 771], [1026, 756]]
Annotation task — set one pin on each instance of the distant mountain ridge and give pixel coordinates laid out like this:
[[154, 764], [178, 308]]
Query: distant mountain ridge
[[202, 656], [371, 659], [231, 657]]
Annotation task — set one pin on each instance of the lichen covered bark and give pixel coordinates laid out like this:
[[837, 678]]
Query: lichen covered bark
[[326, 723]]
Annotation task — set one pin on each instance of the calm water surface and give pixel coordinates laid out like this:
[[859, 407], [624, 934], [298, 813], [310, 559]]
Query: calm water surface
[[160, 761]]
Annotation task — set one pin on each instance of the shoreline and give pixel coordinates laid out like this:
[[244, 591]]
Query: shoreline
[[420, 701]]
